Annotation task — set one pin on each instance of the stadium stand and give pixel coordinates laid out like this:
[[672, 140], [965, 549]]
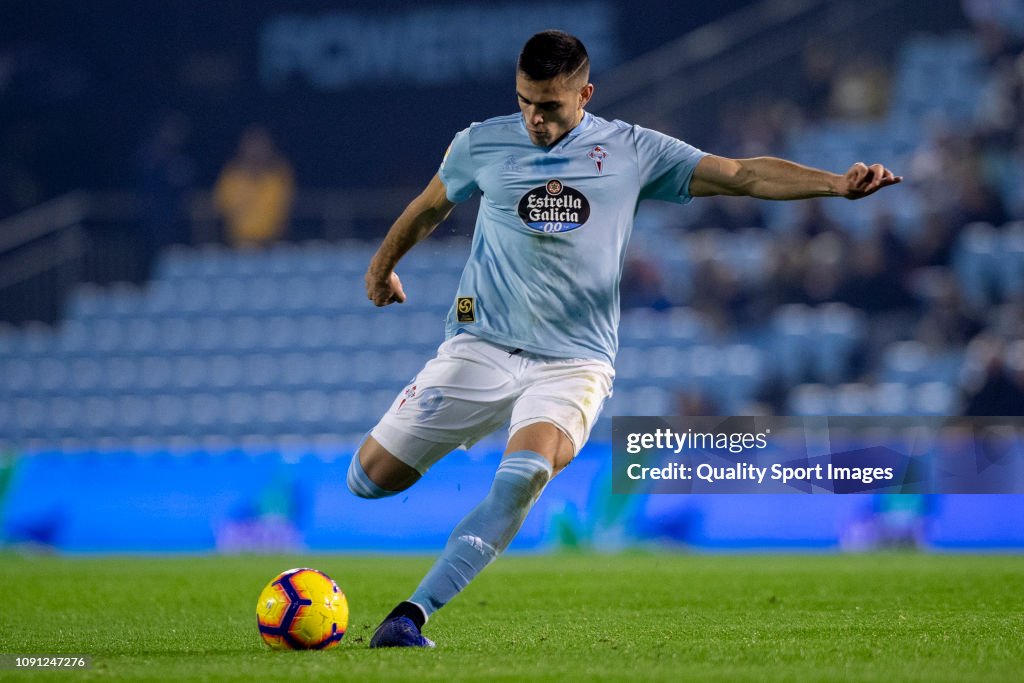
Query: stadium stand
[[280, 343]]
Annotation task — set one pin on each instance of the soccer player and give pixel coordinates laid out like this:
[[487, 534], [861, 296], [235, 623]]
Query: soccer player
[[532, 332]]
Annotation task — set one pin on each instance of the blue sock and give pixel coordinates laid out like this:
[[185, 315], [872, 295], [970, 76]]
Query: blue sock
[[487, 530], [361, 484]]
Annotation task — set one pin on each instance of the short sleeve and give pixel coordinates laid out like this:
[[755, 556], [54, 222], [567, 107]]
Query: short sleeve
[[458, 172], [665, 164]]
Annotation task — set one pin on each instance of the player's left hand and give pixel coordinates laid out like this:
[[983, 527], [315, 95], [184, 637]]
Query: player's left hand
[[862, 180], [384, 291]]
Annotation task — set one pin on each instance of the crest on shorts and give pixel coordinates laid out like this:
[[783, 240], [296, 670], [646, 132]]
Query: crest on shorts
[[598, 154], [465, 309]]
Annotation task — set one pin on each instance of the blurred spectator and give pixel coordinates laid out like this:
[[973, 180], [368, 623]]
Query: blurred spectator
[[827, 270], [819, 67], [999, 25], [885, 235], [694, 404], [813, 221], [932, 244], [994, 378], [641, 285], [719, 295], [875, 284], [979, 202], [748, 128], [255, 190], [946, 323], [165, 175], [733, 213], [859, 92]]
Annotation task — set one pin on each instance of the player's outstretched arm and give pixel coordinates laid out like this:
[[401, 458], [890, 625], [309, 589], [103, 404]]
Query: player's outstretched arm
[[772, 178], [418, 220]]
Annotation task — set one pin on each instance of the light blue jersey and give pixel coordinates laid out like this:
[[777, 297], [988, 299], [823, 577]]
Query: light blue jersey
[[550, 241]]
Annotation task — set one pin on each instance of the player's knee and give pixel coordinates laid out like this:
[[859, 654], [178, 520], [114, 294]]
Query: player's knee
[[359, 483], [378, 475]]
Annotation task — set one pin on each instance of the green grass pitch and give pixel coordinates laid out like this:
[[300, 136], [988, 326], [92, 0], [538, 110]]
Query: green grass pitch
[[633, 617]]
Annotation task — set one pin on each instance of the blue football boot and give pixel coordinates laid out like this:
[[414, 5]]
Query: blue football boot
[[400, 629]]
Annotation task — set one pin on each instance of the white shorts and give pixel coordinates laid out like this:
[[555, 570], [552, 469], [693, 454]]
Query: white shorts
[[473, 387]]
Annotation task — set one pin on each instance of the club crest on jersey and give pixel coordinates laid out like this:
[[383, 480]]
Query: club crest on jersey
[[554, 207], [598, 154]]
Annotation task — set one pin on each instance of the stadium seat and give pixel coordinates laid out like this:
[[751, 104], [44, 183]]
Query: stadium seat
[[905, 361], [19, 375], [30, 418], [641, 327], [276, 409], [141, 335], [890, 398], [313, 411], [840, 330], [935, 398], [853, 399], [975, 263], [280, 333], [314, 332], [191, 372], [296, 370], [122, 373], [86, 301], [684, 326], [665, 362], [330, 370], [231, 295], [175, 335], [156, 374], [811, 399], [793, 326], [87, 374], [629, 364], [245, 333], [170, 415], [227, 372], [240, 412], [194, 295], [99, 417], [136, 413]]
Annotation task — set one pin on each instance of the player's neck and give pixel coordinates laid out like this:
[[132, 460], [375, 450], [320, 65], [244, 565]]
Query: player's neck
[[579, 119]]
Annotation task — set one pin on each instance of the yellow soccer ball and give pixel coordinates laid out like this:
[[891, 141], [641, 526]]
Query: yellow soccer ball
[[302, 609]]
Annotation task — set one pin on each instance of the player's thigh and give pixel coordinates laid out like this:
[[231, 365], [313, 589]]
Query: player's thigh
[[566, 394], [459, 397]]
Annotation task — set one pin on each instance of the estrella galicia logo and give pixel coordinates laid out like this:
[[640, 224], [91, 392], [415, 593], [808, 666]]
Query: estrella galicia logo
[[554, 207]]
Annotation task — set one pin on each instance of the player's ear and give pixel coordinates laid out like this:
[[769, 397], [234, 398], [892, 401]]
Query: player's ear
[[585, 94]]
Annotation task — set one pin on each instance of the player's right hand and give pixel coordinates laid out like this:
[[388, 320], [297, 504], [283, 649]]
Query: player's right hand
[[384, 291], [863, 180]]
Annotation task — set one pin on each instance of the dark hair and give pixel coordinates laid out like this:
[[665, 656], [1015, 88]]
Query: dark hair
[[550, 54]]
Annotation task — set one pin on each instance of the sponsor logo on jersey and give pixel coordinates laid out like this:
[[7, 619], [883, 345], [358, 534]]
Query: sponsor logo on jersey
[[465, 309], [554, 207], [598, 154]]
